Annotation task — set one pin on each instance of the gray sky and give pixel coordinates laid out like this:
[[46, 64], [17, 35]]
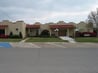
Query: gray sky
[[46, 10]]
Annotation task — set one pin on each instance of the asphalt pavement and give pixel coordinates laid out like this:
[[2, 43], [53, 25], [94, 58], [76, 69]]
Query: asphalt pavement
[[49, 60]]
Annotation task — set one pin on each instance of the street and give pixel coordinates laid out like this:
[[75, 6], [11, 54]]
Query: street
[[49, 60]]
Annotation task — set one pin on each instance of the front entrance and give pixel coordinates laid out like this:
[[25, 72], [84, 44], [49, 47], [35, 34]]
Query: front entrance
[[45, 33], [62, 32], [2, 31]]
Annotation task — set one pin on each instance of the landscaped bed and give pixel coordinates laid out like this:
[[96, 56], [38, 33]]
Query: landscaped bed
[[9, 40], [45, 39], [87, 39]]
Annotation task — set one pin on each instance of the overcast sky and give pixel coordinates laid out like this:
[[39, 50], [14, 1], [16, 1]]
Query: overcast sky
[[46, 10]]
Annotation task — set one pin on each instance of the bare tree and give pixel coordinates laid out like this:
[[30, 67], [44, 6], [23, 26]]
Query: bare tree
[[93, 19]]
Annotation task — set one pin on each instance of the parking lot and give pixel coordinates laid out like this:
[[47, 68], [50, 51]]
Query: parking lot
[[54, 45], [47, 45]]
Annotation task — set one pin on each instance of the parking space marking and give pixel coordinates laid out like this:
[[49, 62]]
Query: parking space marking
[[5, 45], [47, 44], [25, 45], [35, 45], [1, 46], [53, 44]]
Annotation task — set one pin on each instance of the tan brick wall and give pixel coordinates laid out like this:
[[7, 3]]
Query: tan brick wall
[[21, 26], [44, 27], [12, 27], [82, 26]]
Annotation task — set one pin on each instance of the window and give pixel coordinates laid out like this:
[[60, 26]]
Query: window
[[16, 29]]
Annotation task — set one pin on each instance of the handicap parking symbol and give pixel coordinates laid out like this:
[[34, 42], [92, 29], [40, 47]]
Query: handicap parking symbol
[[5, 45]]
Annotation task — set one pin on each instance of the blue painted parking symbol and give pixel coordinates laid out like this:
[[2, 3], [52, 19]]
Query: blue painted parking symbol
[[5, 45]]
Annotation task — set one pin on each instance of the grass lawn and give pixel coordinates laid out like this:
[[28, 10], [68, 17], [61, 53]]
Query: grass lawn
[[46, 39], [9, 40], [87, 39]]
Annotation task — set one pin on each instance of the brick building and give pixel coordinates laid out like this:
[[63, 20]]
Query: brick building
[[37, 29]]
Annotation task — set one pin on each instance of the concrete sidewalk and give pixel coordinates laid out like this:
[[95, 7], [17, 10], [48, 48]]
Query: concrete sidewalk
[[23, 40], [69, 39]]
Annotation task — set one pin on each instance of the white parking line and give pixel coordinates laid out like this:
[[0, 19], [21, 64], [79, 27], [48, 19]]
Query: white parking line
[[24, 45], [1, 46], [56, 45], [35, 46]]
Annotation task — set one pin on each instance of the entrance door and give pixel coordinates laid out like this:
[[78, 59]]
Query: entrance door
[[62, 32], [45, 33]]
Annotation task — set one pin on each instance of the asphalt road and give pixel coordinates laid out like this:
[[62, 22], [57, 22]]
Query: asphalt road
[[49, 60]]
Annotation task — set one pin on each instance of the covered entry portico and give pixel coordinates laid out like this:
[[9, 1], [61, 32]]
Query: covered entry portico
[[62, 30], [32, 30]]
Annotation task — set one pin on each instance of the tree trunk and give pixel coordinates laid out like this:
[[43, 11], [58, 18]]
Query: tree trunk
[[97, 31]]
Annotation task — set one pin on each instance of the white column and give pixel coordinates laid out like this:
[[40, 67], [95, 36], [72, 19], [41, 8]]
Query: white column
[[50, 32], [6, 33], [68, 32], [29, 31], [74, 33]]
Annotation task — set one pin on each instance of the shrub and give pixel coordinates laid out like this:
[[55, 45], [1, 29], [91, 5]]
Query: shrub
[[11, 34], [20, 34], [14, 36], [3, 36]]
